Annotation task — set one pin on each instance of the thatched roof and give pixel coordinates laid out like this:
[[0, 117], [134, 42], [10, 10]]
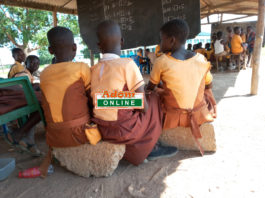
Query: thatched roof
[[247, 7], [208, 7], [64, 6]]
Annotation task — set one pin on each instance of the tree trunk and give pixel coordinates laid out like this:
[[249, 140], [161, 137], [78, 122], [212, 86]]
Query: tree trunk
[[26, 51], [257, 49]]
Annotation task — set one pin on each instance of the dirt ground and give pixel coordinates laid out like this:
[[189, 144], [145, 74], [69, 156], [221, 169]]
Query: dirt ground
[[236, 170]]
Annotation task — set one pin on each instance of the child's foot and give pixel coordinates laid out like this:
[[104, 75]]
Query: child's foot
[[160, 151], [10, 139], [30, 148]]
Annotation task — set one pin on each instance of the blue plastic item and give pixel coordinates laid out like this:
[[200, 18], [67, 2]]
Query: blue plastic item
[[7, 166], [5, 129]]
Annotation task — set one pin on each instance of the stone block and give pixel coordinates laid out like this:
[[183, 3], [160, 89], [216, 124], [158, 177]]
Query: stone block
[[91, 160], [183, 139]]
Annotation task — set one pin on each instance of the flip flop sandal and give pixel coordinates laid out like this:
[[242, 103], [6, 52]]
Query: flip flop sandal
[[29, 148]]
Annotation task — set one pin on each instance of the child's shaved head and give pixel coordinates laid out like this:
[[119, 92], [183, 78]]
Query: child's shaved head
[[109, 37], [173, 35], [177, 28], [32, 63], [60, 36], [18, 55], [61, 41]]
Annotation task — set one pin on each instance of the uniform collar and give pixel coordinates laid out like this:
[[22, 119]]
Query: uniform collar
[[109, 56]]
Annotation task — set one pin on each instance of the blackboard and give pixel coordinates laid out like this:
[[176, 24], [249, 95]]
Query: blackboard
[[140, 20]]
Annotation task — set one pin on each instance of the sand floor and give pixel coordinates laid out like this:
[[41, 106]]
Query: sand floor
[[236, 170]]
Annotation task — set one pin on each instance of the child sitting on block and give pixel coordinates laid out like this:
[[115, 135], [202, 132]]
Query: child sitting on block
[[138, 130], [187, 99], [65, 86]]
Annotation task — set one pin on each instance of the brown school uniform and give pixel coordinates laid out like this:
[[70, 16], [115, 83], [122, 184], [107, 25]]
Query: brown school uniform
[[183, 98], [65, 103], [138, 131]]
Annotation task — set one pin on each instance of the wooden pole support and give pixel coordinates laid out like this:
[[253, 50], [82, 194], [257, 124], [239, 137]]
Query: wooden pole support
[[91, 58], [257, 49], [55, 20], [144, 52]]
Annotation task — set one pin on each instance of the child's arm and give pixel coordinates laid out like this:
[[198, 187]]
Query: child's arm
[[209, 93], [134, 81], [210, 97], [150, 86], [155, 76], [141, 90], [85, 75]]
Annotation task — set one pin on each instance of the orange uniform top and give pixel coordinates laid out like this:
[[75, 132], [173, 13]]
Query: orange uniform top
[[18, 70], [139, 54], [182, 78], [209, 54], [140, 57], [65, 103], [244, 38], [236, 44], [157, 51], [111, 75], [201, 51], [59, 83]]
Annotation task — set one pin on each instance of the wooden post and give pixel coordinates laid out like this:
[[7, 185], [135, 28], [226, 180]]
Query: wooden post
[[208, 19], [91, 58], [54, 14], [257, 49]]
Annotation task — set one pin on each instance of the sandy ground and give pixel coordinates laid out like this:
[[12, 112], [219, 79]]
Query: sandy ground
[[236, 170]]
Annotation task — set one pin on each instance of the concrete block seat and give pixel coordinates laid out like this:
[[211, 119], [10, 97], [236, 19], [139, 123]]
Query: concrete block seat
[[183, 139], [91, 160]]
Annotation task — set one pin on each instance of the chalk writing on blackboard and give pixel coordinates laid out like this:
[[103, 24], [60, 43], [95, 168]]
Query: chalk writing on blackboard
[[173, 9], [140, 20], [121, 12]]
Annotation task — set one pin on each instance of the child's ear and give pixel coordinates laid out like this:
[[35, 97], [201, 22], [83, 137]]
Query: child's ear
[[122, 41], [51, 50], [74, 47], [173, 41]]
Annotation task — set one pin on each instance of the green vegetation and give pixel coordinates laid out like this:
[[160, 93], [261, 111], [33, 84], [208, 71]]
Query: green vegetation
[[27, 28], [23, 28]]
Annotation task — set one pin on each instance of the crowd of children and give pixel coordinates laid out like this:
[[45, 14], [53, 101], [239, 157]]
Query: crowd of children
[[237, 43], [178, 93]]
